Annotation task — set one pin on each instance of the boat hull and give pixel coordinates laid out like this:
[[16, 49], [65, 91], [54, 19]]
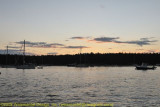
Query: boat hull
[[82, 65], [145, 68], [26, 67]]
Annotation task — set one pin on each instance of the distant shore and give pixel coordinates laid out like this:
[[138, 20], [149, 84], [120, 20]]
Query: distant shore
[[90, 59]]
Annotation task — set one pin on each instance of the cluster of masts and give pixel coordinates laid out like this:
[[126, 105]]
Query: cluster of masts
[[32, 66], [24, 65]]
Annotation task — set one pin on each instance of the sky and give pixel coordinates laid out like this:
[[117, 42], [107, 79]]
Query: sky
[[68, 26]]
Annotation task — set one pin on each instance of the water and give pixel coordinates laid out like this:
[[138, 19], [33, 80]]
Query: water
[[122, 86]]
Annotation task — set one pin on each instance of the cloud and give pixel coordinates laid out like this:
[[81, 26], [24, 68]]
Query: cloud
[[15, 52], [30, 44], [75, 47], [105, 39], [81, 38], [14, 47], [141, 42], [78, 37], [51, 45], [10, 51], [57, 44], [40, 44]]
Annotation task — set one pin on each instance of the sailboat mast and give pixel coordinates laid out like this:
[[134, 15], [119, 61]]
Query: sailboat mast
[[24, 54], [7, 50], [80, 54], [7, 56], [24, 47]]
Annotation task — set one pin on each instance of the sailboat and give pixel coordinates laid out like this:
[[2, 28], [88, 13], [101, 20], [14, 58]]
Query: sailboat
[[40, 67], [7, 64], [80, 64], [25, 66]]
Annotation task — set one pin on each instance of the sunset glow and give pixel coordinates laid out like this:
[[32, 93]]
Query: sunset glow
[[56, 27]]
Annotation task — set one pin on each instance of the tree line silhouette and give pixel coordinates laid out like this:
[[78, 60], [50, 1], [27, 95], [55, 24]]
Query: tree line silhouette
[[87, 58]]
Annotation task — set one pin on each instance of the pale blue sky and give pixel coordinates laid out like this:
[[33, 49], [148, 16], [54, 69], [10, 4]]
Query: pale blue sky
[[55, 21]]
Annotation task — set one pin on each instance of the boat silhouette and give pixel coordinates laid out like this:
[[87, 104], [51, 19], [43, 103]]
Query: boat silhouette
[[144, 66], [25, 65]]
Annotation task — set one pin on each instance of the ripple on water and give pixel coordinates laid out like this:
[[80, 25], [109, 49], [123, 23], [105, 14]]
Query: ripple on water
[[76, 86], [119, 85], [2, 84], [54, 98], [52, 95], [90, 94]]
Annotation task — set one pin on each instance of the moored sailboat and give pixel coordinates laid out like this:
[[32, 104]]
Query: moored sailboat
[[25, 66], [82, 64]]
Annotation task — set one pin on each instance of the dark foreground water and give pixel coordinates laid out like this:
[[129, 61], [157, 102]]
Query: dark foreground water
[[122, 86]]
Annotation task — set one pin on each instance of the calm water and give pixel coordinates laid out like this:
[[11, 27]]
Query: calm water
[[122, 86]]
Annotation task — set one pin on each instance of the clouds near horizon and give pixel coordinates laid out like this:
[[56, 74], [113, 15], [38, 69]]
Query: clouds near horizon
[[14, 51], [87, 40], [48, 45], [75, 47], [140, 42], [40, 44]]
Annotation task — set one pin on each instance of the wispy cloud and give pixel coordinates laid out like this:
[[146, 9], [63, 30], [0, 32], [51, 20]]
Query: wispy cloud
[[80, 38], [14, 47], [40, 44], [30, 43], [141, 42], [75, 47], [105, 39], [77, 37], [10, 51], [48, 45]]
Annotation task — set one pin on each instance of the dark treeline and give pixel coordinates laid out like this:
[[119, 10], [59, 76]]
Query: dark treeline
[[90, 58]]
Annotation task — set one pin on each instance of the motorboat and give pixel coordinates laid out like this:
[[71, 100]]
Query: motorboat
[[144, 66], [39, 67]]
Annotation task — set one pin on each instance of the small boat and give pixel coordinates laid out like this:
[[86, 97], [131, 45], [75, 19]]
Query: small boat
[[39, 67], [144, 66], [82, 65], [26, 66]]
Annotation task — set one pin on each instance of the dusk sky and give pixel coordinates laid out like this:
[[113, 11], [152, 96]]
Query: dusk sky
[[65, 26]]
